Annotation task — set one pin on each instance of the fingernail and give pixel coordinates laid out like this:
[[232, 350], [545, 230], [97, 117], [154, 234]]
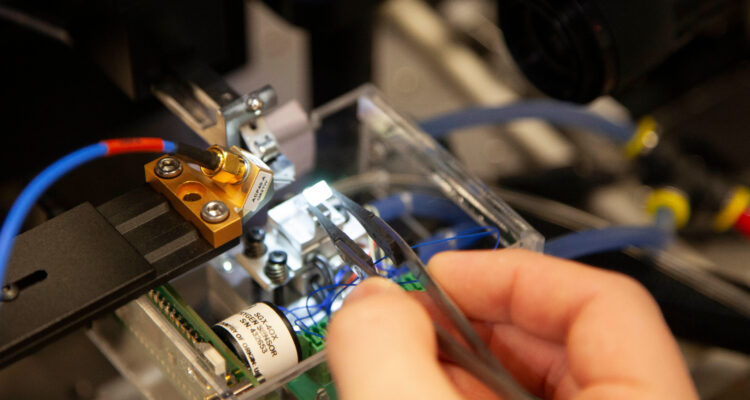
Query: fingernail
[[370, 287]]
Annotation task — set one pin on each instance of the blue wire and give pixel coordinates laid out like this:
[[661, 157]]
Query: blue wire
[[458, 237], [333, 299], [32, 192], [26, 200], [554, 112], [169, 147], [579, 244], [469, 240], [307, 300], [298, 320], [306, 329], [340, 274], [327, 303]]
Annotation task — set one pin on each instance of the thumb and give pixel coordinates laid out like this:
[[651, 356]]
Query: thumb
[[381, 345]]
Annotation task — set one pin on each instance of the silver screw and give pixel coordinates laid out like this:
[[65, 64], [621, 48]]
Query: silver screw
[[254, 104], [321, 394], [214, 212], [168, 167], [10, 292], [276, 269]]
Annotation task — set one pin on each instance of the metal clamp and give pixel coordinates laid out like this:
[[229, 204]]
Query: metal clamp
[[201, 99]]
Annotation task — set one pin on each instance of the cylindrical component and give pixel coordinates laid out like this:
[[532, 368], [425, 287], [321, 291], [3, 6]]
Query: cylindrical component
[[276, 269], [262, 337], [580, 49], [666, 165], [672, 199], [255, 245], [214, 212], [204, 158], [168, 167], [232, 167]]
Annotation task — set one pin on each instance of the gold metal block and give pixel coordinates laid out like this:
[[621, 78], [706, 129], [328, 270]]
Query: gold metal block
[[188, 193]]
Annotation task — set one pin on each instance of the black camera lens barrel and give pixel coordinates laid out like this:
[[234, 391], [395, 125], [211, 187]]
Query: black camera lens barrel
[[577, 50]]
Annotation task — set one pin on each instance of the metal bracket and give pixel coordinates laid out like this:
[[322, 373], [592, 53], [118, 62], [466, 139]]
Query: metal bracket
[[201, 99]]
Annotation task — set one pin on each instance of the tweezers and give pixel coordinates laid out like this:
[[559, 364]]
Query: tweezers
[[478, 360], [353, 255]]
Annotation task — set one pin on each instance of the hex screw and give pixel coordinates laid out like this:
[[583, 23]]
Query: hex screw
[[276, 269], [214, 212], [168, 168], [255, 245]]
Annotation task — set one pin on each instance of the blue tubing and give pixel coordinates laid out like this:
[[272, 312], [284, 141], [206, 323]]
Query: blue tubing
[[554, 112], [579, 244], [419, 205]]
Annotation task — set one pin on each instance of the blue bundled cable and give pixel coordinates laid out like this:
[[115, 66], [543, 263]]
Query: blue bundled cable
[[579, 244], [554, 112]]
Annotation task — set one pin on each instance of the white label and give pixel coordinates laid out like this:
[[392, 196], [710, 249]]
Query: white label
[[258, 191], [268, 345]]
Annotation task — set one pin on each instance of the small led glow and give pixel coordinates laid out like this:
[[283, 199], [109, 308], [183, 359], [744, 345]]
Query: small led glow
[[317, 193], [227, 265]]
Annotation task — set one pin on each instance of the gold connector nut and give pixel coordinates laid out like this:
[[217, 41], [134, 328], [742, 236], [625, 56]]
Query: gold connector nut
[[232, 169], [248, 195], [188, 192]]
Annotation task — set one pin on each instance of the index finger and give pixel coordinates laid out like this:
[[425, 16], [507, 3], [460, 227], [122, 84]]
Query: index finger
[[611, 328]]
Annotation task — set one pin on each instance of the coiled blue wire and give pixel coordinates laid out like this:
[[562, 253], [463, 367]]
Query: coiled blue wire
[[554, 112]]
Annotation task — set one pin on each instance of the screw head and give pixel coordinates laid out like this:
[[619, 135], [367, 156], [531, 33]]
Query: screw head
[[255, 246], [277, 257], [254, 104], [255, 235], [168, 167], [322, 394], [10, 292], [214, 212], [276, 269]]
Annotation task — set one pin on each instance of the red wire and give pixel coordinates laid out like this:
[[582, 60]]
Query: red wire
[[743, 223], [134, 145]]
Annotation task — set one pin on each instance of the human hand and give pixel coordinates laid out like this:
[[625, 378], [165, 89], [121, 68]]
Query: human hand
[[564, 330]]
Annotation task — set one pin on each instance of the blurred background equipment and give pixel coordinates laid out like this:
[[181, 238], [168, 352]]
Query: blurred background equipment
[[581, 49], [605, 131]]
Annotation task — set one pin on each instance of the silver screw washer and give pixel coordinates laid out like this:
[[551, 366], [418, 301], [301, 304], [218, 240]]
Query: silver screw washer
[[214, 212], [168, 167]]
